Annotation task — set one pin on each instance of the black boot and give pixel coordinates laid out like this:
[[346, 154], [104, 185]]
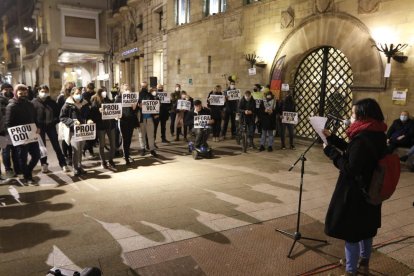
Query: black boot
[[177, 138]]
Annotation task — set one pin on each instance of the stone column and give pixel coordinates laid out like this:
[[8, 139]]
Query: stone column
[[122, 69], [137, 79], [127, 73]]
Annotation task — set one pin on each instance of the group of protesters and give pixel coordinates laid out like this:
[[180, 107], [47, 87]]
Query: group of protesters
[[76, 106]]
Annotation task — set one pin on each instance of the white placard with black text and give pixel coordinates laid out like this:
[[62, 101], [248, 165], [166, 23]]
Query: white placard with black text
[[233, 95], [290, 118], [183, 105], [129, 98], [201, 121], [84, 132], [164, 97], [217, 100], [23, 134], [111, 111], [150, 106]]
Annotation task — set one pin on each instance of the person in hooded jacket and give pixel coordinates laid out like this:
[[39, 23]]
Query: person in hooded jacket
[[350, 217], [47, 112], [267, 116], [164, 115], [247, 108], [103, 127], [147, 120], [5, 96], [61, 99], [74, 112], [127, 123], [20, 111], [216, 113]]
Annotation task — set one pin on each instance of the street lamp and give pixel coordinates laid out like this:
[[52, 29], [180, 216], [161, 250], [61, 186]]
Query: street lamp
[[19, 45]]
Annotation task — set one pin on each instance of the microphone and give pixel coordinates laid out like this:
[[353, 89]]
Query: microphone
[[345, 122]]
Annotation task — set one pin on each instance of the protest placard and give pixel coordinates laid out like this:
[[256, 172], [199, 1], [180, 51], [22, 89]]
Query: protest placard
[[150, 106], [164, 97], [268, 105], [216, 100], [233, 95], [129, 98], [183, 105], [290, 118], [111, 111], [84, 132], [258, 102], [23, 134], [201, 121]]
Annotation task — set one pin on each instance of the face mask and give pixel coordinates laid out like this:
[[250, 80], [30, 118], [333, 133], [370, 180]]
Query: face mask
[[160, 90], [43, 95], [77, 97], [247, 98], [103, 94], [231, 86], [403, 118], [183, 97], [177, 89], [269, 97], [352, 120], [23, 98], [154, 93]]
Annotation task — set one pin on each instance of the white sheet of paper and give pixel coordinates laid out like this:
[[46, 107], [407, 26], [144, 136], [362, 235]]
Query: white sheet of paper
[[318, 124]]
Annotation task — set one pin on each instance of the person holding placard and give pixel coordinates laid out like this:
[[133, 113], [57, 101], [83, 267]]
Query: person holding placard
[[103, 127], [47, 112], [247, 109], [5, 96], [20, 111], [76, 111], [147, 119], [175, 96], [268, 119], [180, 114], [61, 99], [216, 108], [164, 115], [258, 96], [230, 110], [128, 122], [87, 95], [288, 104], [201, 133]]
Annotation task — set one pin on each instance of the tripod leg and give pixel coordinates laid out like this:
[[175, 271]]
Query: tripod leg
[[291, 249]]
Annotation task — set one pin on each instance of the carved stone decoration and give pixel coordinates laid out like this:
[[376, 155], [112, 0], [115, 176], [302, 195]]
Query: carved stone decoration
[[368, 6], [132, 33], [323, 6], [287, 19], [232, 26]]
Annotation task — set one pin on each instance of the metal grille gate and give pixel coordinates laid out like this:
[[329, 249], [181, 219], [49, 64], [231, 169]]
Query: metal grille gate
[[322, 86]]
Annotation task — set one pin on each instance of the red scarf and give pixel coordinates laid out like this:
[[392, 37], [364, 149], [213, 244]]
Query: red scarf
[[369, 125]]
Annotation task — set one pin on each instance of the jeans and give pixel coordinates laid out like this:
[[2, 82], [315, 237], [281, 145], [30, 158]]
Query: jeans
[[101, 136], [267, 133], [354, 250], [10, 149], [201, 137], [77, 148], [229, 117], [53, 137], [22, 152], [147, 129], [282, 133], [156, 123]]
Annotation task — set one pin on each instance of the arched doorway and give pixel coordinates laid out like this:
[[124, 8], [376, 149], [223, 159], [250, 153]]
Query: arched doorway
[[322, 86]]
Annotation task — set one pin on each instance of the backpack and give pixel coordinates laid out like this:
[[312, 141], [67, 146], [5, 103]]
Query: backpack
[[384, 178]]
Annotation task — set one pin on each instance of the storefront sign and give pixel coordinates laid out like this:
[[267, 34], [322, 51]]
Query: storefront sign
[[130, 51]]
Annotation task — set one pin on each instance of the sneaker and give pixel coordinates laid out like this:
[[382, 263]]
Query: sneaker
[[65, 169], [45, 168], [269, 149], [104, 165], [262, 148], [153, 153], [82, 171], [30, 181], [9, 174], [292, 147], [111, 164], [165, 141]]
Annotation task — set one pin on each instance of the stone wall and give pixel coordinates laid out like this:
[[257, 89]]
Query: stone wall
[[273, 28]]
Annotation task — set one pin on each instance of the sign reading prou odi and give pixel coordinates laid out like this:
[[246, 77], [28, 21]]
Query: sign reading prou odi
[[23, 134]]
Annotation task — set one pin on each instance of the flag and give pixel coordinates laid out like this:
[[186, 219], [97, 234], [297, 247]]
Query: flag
[[276, 81]]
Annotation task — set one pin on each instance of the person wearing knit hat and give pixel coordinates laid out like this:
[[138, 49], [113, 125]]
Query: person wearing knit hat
[[20, 111]]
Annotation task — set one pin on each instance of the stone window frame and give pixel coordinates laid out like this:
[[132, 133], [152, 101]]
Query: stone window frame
[[247, 2], [220, 6]]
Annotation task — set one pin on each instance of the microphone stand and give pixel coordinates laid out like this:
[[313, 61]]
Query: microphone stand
[[296, 236]]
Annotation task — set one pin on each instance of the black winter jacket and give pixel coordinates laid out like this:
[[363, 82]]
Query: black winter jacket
[[399, 128], [349, 216], [129, 115], [96, 115], [268, 121], [70, 112], [47, 112], [247, 105], [20, 112], [216, 110]]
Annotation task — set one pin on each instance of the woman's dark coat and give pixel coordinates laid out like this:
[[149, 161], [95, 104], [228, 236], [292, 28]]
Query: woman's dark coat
[[349, 216], [96, 115]]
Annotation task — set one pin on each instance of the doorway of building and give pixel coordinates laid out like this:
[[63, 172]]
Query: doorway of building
[[322, 86]]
